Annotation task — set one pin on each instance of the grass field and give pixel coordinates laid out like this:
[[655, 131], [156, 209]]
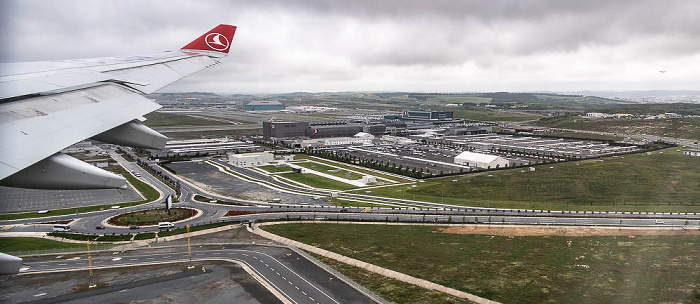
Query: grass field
[[458, 99], [390, 289], [274, 169], [663, 181], [316, 181], [329, 170], [159, 119], [180, 134], [485, 114], [523, 269], [688, 128], [354, 168], [13, 244]]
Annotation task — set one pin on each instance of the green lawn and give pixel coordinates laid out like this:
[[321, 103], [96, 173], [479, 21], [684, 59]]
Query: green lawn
[[330, 170], [660, 182], [13, 244], [554, 269], [314, 180], [349, 167], [275, 169]]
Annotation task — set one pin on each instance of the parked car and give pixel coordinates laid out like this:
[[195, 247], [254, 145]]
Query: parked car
[[134, 227]]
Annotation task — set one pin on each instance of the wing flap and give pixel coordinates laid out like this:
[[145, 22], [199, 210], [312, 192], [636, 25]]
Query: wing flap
[[83, 113]]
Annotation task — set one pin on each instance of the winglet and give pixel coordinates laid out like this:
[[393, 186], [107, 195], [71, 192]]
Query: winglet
[[218, 40]]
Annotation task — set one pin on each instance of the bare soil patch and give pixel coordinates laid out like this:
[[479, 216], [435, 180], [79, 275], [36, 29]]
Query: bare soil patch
[[563, 231]]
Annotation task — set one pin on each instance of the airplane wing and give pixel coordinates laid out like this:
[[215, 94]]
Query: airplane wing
[[47, 106]]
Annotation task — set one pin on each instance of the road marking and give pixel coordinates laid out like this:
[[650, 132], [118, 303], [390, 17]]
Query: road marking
[[133, 259], [303, 292], [62, 264], [297, 287], [40, 294], [116, 259]]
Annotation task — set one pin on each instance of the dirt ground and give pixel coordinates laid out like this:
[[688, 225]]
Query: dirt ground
[[563, 231]]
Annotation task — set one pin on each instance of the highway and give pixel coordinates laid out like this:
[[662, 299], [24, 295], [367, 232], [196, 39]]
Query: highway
[[294, 277]]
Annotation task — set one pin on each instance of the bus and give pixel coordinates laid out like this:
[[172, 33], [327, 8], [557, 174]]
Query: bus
[[59, 227]]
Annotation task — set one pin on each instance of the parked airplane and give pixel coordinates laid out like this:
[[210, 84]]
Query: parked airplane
[[47, 106]]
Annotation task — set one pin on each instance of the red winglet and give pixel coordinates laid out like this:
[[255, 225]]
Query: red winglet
[[219, 40]]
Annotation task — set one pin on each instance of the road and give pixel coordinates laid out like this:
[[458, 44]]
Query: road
[[294, 277]]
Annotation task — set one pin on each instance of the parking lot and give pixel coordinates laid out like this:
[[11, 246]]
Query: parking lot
[[436, 155]]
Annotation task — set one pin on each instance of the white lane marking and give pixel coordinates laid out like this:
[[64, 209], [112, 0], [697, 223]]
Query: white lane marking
[[62, 264], [277, 273], [23, 269], [244, 254], [284, 278], [40, 294], [303, 292], [300, 277], [73, 259], [267, 265], [116, 259], [297, 287]]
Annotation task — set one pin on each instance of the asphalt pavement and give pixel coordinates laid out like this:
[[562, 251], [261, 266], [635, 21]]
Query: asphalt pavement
[[291, 275]]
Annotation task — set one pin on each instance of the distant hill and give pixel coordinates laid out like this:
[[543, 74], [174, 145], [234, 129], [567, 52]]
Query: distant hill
[[647, 96]]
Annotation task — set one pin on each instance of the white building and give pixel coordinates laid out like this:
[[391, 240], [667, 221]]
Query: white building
[[480, 160], [250, 159], [691, 152], [598, 115]]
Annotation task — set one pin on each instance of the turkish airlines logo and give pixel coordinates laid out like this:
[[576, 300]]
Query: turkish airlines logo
[[217, 41]]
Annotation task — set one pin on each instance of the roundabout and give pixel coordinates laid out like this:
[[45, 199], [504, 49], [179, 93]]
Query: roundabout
[[152, 217]]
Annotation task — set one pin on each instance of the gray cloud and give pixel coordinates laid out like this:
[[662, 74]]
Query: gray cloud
[[381, 45]]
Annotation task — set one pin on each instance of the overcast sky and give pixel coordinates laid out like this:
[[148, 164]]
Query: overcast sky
[[373, 45]]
